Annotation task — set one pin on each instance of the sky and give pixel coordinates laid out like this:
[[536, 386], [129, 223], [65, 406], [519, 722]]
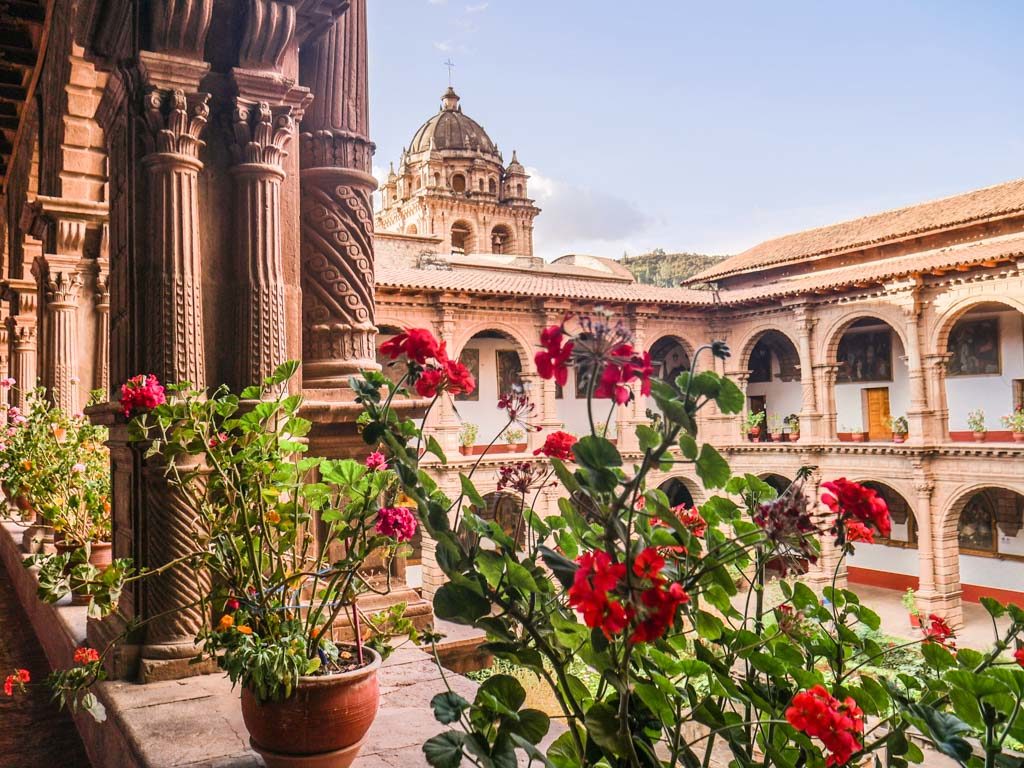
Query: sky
[[709, 127]]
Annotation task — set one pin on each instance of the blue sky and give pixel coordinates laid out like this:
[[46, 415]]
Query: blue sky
[[711, 126]]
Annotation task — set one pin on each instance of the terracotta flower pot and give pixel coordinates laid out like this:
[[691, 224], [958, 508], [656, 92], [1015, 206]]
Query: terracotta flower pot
[[322, 725], [755, 433], [898, 437], [858, 437], [979, 437], [794, 437], [777, 437], [101, 555], [915, 620], [1018, 437]]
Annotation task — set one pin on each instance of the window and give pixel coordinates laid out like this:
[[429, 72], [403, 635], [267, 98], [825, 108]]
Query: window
[[501, 240], [492, 186], [459, 183], [519, 190], [460, 238], [977, 529]]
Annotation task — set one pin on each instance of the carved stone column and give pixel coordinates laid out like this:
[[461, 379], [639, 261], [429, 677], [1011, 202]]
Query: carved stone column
[[917, 411], [101, 369], [22, 327], [826, 390], [5, 362], [927, 597], [261, 133], [809, 414], [742, 380], [935, 365], [61, 284], [337, 207]]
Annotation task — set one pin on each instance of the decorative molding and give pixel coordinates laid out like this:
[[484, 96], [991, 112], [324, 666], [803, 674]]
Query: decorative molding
[[260, 132], [175, 119], [269, 30], [179, 26]]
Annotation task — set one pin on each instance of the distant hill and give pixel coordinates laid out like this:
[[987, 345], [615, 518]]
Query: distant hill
[[667, 269]]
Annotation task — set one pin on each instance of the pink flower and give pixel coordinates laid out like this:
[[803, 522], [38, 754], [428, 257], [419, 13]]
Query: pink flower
[[78, 468], [397, 523], [142, 391], [7, 382], [231, 605], [220, 437], [376, 461]]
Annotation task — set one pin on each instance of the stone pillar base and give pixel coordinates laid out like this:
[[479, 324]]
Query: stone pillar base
[[947, 605], [122, 662], [38, 539], [158, 670]]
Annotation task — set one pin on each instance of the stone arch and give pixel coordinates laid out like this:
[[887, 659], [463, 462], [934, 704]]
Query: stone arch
[[779, 482], [463, 237], [833, 333], [412, 229], [671, 353], [959, 499], [509, 331], [502, 240], [492, 186], [680, 490], [901, 510], [503, 508], [777, 338], [458, 183], [955, 312]]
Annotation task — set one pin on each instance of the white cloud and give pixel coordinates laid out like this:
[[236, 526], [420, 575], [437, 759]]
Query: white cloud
[[580, 219], [443, 46], [477, 8], [438, 2]]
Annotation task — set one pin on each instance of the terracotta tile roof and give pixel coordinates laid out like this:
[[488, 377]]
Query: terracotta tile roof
[[867, 231], [539, 285], [944, 259]]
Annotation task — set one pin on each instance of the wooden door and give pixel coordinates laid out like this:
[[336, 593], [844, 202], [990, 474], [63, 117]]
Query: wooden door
[[876, 404]]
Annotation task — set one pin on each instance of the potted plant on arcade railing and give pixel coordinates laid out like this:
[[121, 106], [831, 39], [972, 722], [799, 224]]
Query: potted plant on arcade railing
[[285, 540], [976, 424], [900, 428], [753, 423], [793, 425], [1015, 423]]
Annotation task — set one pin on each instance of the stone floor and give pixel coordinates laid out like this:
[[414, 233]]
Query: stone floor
[[34, 733]]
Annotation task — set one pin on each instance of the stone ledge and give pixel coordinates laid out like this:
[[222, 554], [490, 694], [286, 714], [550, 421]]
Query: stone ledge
[[197, 722]]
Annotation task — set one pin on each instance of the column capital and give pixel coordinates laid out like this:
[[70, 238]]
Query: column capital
[[260, 133], [64, 225], [175, 120], [23, 296]]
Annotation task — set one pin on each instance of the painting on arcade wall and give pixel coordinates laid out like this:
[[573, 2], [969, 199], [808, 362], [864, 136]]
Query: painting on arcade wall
[[974, 348], [510, 370], [470, 358], [865, 357]]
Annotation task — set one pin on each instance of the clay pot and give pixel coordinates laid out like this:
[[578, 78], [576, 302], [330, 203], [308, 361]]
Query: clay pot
[[777, 437], [915, 620], [794, 437], [898, 438], [858, 437], [755, 433], [1018, 437], [101, 555], [979, 437], [322, 725]]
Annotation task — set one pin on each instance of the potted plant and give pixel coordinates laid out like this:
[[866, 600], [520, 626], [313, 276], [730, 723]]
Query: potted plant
[[1015, 423], [792, 424], [514, 438], [281, 594], [976, 423], [467, 437], [753, 424], [775, 427], [900, 428], [909, 601]]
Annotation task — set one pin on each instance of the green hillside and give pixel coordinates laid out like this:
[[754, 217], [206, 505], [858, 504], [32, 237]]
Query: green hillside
[[667, 269]]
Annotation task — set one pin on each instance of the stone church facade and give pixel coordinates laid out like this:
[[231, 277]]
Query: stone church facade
[[186, 191]]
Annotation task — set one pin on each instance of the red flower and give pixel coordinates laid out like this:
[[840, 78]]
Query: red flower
[[220, 437], [838, 725], [938, 631], [460, 380], [376, 461], [594, 579], [617, 372], [558, 445], [852, 501], [142, 391], [1019, 656], [643, 369], [429, 382], [86, 655], [397, 523], [660, 605], [856, 531], [418, 344], [231, 605], [648, 564], [553, 361], [691, 518], [17, 680]]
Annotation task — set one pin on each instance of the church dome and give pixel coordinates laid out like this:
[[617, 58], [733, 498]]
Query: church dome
[[452, 130]]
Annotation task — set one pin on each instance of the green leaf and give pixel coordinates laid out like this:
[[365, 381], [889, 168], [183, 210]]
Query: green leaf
[[562, 752], [602, 723], [532, 725], [937, 656], [454, 602], [434, 447], [993, 606], [944, 731], [519, 577], [501, 693], [448, 707], [648, 437], [712, 469], [563, 568], [471, 492], [445, 749], [730, 397], [596, 453], [688, 446]]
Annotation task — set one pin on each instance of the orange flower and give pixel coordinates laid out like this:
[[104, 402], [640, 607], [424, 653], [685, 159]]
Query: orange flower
[[273, 517], [106, 505], [244, 629], [26, 465], [59, 433], [226, 622]]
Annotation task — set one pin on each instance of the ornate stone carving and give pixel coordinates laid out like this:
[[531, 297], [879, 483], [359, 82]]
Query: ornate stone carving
[[180, 26], [176, 120], [101, 370], [261, 133], [269, 28]]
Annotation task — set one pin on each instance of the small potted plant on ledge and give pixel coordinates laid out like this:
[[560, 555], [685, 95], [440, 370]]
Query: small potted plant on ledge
[[1015, 423], [900, 427], [909, 601], [775, 427], [467, 438], [976, 423], [793, 426], [753, 424], [514, 438]]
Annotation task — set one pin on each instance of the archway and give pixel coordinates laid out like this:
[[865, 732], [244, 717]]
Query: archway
[[774, 387], [678, 492], [497, 361], [984, 370], [891, 562], [670, 357], [492, 186], [458, 183], [504, 509], [501, 239], [462, 237], [778, 483], [871, 380], [412, 229], [985, 527]]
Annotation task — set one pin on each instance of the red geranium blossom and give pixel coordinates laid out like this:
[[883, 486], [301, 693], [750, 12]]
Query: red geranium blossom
[[648, 564], [429, 382], [17, 680], [376, 461], [938, 631], [594, 579], [858, 532], [142, 391], [1019, 656], [691, 518], [617, 373], [660, 605], [396, 522], [852, 501], [417, 344], [558, 445], [838, 725], [85, 655], [553, 361]]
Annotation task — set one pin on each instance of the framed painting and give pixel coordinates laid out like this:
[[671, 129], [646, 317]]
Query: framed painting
[[974, 348], [865, 357], [470, 358], [509, 371]]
